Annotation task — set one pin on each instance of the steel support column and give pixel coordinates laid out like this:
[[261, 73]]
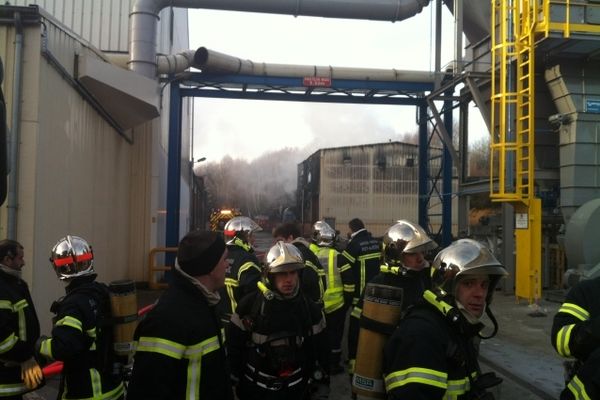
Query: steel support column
[[447, 173], [423, 168], [174, 168]]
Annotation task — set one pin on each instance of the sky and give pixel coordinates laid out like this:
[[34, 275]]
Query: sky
[[249, 128]]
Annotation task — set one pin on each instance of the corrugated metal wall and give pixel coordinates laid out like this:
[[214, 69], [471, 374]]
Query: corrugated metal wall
[[104, 23], [377, 183], [77, 175]]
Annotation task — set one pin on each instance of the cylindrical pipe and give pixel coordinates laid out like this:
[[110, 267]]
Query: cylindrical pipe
[[166, 64], [144, 17], [13, 196], [213, 61]]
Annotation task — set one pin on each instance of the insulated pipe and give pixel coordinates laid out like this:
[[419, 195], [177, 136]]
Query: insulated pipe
[[144, 17], [166, 64], [13, 196], [213, 61]]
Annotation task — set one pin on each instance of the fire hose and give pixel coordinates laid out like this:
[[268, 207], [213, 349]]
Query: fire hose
[[56, 367]]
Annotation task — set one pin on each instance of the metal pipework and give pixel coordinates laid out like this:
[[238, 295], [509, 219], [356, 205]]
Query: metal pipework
[[166, 64], [144, 17], [213, 61]]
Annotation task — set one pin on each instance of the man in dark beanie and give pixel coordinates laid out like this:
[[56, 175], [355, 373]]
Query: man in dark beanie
[[180, 351]]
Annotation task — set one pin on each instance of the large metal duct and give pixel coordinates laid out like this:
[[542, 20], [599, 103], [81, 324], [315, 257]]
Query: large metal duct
[[476, 15], [213, 61], [144, 17]]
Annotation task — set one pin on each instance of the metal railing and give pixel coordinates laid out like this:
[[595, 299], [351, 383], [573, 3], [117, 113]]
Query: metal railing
[[153, 268]]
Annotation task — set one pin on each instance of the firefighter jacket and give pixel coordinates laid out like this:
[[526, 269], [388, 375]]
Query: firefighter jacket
[[576, 333], [82, 338], [180, 352], [276, 345], [339, 281], [312, 277], [413, 284], [241, 277], [19, 330], [431, 355], [363, 252]]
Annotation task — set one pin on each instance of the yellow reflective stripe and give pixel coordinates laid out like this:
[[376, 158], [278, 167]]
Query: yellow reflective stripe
[[12, 389], [457, 387], [114, 394], [356, 312], [247, 266], [348, 256], [351, 364], [72, 322], [230, 285], [8, 343], [205, 347], [161, 346], [19, 308], [96, 382], [578, 389], [46, 348], [92, 333], [349, 288], [19, 305], [345, 267], [363, 268], [6, 305], [424, 376], [562, 340], [574, 310], [194, 370]]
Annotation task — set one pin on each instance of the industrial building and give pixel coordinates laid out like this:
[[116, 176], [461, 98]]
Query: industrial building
[[377, 183]]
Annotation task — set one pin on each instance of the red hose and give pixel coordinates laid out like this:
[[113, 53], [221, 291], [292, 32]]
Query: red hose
[[57, 366]]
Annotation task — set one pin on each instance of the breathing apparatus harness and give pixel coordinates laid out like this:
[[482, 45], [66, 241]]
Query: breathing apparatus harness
[[454, 316]]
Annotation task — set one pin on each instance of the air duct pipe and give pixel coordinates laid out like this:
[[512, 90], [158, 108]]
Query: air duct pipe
[[213, 61], [144, 17], [166, 64]]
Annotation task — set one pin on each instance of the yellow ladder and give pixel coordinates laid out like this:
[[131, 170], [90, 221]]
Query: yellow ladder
[[512, 140]]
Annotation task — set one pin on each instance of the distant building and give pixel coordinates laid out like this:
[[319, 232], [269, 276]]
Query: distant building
[[375, 182]]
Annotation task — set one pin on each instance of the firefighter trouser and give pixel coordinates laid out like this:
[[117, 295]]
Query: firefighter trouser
[[335, 332]]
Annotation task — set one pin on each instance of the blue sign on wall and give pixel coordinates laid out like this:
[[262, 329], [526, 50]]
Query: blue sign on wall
[[592, 105]]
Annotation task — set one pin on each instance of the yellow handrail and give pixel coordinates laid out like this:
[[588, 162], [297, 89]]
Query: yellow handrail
[[153, 268]]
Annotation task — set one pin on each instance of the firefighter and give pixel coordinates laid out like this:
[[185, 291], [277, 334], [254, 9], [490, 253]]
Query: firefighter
[[82, 335], [244, 268], [576, 334], [403, 276], [364, 253], [276, 339], [432, 353], [19, 326], [312, 278], [339, 288], [180, 352]]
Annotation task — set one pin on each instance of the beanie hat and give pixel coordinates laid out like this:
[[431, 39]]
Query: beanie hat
[[199, 252]]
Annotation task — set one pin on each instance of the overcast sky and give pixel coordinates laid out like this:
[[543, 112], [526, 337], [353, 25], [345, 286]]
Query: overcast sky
[[249, 128]]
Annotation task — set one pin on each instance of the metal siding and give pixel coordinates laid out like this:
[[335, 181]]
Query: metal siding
[[378, 193]]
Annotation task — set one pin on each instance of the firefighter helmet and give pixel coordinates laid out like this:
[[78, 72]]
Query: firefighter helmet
[[465, 257], [71, 257], [404, 237], [241, 227], [323, 234], [283, 257]]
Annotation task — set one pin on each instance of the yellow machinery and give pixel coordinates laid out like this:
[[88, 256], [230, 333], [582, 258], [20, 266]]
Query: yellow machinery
[[516, 27], [219, 218]]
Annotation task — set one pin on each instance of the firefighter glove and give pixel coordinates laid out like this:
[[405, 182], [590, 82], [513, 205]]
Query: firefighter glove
[[31, 373]]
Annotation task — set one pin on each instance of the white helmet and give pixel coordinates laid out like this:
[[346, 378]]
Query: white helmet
[[465, 257], [240, 227], [404, 237], [283, 257], [323, 234], [71, 257]]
